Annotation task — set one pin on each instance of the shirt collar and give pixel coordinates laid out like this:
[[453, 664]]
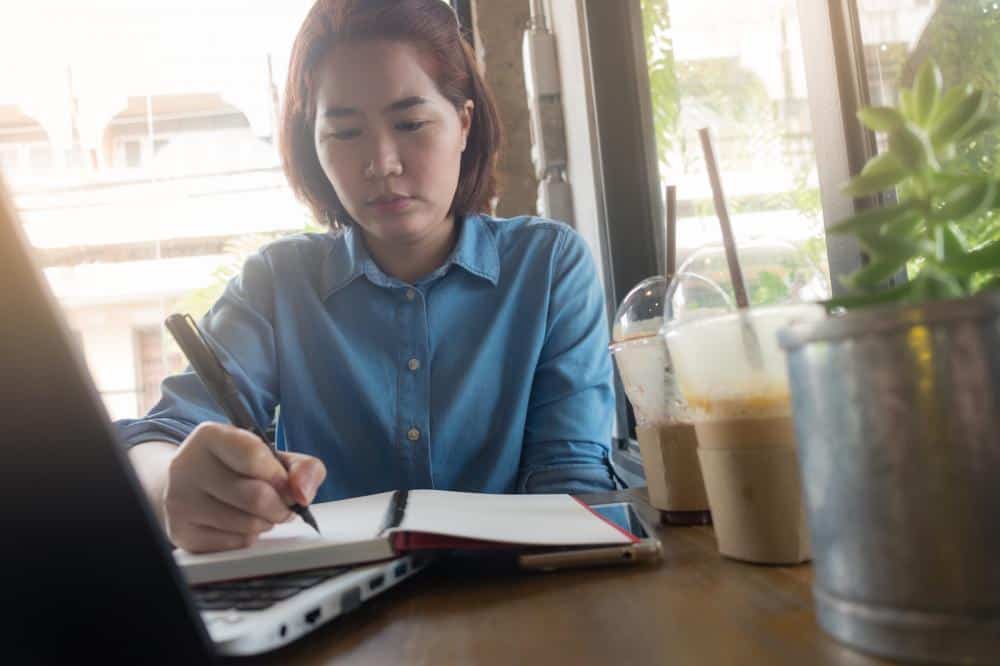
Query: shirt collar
[[476, 252]]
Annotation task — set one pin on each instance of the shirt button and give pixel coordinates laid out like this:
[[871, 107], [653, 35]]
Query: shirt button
[[414, 364], [413, 434], [410, 294]]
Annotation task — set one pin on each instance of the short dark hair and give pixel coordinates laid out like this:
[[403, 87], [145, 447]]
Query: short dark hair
[[433, 27]]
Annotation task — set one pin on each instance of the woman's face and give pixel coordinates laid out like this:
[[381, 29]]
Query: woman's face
[[387, 139]]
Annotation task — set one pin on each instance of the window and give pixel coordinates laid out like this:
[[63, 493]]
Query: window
[[9, 159], [156, 358], [742, 70], [132, 153], [146, 163], [737, 70]]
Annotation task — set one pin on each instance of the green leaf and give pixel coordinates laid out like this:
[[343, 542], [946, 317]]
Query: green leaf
[[947, 101], [982, 125], [876, 271], [932, 283], [984, 259], [880, 118], [992, 284], [909, 147], [882, 172], [950, 244], [926, 90], [944, 180], [873, 217], [965, 200], [860, 300], [890, 247], [907, 104], [951, 123]]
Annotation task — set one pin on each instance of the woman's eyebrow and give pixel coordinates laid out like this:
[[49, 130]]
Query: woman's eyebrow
[[340, 112], [405, 103], [398, 105]]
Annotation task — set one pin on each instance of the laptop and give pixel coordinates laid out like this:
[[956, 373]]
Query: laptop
[[86, 570]]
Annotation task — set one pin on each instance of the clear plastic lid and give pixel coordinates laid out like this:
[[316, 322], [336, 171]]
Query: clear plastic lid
[[641, 312], [640, 354], [774, 272]]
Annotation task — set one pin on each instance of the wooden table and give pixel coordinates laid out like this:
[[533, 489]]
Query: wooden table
[[693, 608]]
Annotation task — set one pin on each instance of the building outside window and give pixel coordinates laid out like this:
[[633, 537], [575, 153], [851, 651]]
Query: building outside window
[[143, 191], [154, 362]]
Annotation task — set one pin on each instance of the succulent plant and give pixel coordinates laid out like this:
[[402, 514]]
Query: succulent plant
[[934, 192]]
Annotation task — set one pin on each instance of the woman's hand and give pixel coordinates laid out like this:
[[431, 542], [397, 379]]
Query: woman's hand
[[224, 487]]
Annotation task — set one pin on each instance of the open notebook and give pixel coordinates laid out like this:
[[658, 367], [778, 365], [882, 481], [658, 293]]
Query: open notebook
[[377, 527]]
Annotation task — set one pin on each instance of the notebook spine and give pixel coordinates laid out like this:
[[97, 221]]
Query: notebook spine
[[396, 511]]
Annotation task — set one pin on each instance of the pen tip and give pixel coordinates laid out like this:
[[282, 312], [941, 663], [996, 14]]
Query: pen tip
[[308, 517]]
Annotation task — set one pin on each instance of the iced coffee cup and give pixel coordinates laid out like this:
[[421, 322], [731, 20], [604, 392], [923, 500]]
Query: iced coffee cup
[[664, 428], [733, 377]]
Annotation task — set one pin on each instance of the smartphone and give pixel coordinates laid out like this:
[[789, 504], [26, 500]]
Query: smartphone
[[626, 518]]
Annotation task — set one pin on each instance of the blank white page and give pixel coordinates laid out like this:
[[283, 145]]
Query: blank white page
[[543, 520]]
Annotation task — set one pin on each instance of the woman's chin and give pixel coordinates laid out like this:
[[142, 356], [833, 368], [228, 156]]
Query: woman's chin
[[398, 229]]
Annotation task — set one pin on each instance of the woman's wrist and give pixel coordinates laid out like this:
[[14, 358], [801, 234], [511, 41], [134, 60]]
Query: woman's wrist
[[151, 462]]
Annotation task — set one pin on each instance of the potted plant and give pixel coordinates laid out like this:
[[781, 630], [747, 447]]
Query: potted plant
[[897, 400]]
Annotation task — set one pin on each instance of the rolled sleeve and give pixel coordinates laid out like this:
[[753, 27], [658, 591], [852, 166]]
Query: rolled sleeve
[[570, 412], [239, 329]]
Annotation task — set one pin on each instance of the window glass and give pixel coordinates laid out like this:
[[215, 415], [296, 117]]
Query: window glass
[[963, 37], [139, 141], [738, 70]]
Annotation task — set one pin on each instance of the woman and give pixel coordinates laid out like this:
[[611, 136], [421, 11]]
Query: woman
[[420, 344]]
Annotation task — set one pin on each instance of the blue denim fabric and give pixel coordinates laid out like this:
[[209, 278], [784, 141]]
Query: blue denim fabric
[[491, 374]]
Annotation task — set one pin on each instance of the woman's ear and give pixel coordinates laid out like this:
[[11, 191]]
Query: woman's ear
[[465, 120]]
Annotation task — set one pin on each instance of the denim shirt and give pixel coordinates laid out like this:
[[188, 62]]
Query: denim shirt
[[489, 375]]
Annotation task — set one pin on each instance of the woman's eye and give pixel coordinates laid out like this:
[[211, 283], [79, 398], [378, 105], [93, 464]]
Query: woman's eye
[[343, 134], [411, 125]]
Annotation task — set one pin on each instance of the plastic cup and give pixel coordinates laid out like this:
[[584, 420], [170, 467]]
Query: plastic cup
[[732, 375], [666, 435]]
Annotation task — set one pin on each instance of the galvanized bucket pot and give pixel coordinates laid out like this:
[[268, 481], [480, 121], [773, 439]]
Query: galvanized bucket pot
[[897, 415]]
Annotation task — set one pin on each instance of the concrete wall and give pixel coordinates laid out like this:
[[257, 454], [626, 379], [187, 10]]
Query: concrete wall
[[499, 27]]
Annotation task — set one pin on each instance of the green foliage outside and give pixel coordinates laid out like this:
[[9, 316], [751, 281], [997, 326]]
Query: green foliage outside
[[662, 74], [199, 301], [720, 94], [964, 38], [937, 193]]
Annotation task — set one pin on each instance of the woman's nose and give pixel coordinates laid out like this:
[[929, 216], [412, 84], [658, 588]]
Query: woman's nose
[[385, 161]]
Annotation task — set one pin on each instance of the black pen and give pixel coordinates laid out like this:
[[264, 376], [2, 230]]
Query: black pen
[[221, 386]]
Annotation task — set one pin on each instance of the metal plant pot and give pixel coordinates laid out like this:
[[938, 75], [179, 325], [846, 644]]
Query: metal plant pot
[[897, 416]]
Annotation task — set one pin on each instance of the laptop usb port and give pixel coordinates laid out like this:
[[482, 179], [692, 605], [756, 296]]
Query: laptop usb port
[[376, 582], [313, 615]]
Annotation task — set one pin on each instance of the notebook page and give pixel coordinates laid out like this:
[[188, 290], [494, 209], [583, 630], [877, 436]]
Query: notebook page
[[543, 520], [342, 521]]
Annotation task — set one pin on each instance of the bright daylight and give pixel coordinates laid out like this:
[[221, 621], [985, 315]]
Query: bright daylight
[[485, 332]]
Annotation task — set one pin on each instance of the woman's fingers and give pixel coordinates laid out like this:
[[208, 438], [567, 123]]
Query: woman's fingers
[[244, 453], [227, 480], [253, 496], [202, 523], [305, 474], [202, 539]]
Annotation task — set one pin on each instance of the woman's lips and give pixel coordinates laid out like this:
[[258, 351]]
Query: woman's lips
[[391, 205]]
